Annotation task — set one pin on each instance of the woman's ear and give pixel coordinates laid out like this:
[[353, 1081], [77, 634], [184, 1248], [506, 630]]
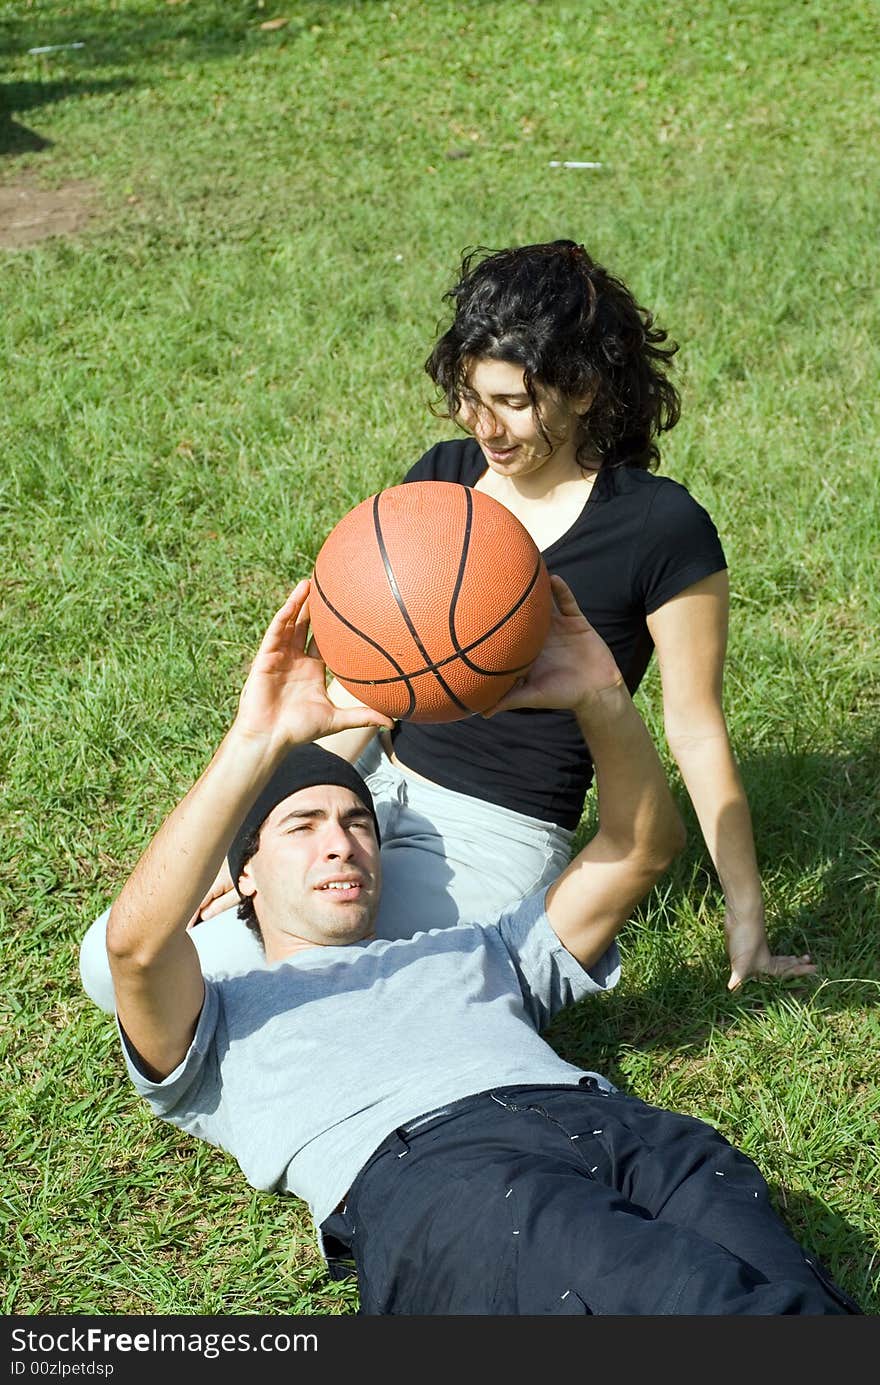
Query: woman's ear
[[583, 403]]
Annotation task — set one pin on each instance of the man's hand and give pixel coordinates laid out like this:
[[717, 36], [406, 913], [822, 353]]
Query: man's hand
[[574, 666], [284, 700], [750, 955]]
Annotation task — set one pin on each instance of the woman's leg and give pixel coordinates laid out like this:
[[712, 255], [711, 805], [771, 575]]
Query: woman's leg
[[449, 858], [225, 945]]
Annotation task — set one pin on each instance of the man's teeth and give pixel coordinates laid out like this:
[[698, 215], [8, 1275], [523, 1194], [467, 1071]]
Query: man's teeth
[[340, 885]]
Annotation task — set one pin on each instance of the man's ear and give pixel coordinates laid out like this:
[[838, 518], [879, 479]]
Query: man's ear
[[246, 884]]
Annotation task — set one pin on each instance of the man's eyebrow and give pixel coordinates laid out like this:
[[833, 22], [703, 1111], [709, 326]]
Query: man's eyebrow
[[302, 814]]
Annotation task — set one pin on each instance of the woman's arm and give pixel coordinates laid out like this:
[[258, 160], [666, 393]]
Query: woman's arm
[[690, 634]]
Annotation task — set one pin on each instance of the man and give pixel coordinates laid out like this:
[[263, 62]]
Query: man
[[401, 1087]]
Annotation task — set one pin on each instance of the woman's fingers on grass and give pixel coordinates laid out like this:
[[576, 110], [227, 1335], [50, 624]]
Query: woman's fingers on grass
[[777, 967]]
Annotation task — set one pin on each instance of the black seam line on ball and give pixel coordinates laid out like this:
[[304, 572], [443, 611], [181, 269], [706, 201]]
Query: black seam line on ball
[[395, 592], [461, 651], [427, 668], [401, 676], [462, 562]]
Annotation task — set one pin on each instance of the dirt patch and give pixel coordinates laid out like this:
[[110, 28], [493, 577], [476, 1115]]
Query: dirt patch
[[29, 214]]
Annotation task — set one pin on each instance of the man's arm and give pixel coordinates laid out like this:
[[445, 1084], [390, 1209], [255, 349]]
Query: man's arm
[[156, 974], [221, 893], [640, 830]]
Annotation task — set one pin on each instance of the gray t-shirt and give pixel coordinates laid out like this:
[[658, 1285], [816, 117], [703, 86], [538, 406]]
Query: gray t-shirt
[[300, 1071]]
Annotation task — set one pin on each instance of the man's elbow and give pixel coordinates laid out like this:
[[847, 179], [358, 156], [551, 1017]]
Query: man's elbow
[[127, 948]]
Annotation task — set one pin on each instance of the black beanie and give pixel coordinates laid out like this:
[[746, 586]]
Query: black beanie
[[301, 767]]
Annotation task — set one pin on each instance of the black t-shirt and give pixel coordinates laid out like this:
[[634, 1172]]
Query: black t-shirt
[[639, 540]]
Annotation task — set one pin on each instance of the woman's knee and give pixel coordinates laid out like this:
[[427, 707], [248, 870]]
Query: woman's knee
[[94, 966], [225, 945]]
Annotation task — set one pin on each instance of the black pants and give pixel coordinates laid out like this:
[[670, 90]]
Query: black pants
[[540, 1200]]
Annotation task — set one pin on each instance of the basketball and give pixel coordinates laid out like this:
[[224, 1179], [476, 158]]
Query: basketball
[[429, 600]]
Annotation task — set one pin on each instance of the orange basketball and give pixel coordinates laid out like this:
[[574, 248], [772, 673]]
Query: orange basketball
[[429, 600]]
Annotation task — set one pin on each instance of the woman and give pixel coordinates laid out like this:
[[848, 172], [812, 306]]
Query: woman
[[558, 379]]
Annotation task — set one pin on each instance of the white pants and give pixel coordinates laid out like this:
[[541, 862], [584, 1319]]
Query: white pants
[[447, 858]]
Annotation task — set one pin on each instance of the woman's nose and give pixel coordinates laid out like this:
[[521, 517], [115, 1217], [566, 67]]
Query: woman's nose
[[486, 425]]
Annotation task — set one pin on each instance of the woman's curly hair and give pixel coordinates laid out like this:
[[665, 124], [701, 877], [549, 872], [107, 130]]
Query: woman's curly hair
[[572, 327]]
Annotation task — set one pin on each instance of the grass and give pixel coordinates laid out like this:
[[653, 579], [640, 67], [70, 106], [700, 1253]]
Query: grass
[[199, 384]]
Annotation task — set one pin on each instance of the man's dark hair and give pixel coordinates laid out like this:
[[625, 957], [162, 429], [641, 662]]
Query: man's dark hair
[[246, 911], [572, 327]]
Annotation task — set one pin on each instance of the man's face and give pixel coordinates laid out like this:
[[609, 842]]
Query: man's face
[[316, 877]]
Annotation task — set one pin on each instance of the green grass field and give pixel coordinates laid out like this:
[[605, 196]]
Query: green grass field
[[228, 354]]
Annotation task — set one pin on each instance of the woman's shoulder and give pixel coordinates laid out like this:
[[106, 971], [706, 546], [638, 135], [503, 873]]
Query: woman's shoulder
[[456, 459], [676, 542], [651, 494], [646, 485]]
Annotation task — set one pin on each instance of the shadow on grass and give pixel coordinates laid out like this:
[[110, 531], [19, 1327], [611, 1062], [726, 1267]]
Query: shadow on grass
[[95, 37], [19, 139], [846, 1254], [211, 29], [817, 835], [105, 39], [16, 138]]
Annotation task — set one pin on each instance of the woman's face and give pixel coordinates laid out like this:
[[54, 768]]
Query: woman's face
[[500, 415]]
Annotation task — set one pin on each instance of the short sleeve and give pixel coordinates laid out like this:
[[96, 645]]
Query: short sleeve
[[550, 978], [455, 459], [679, 546], [194, 1073]]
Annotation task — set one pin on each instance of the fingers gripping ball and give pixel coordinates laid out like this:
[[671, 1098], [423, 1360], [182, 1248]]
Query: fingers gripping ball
[[429, 601]]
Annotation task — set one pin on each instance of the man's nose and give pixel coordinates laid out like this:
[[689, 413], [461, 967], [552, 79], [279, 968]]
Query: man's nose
[[338, 842]]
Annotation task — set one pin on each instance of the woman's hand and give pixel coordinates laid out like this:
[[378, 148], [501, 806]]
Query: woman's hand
[[750, 954], [221, 896]]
